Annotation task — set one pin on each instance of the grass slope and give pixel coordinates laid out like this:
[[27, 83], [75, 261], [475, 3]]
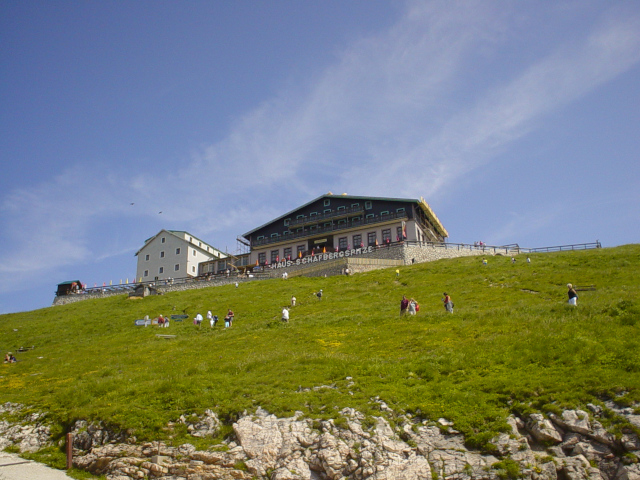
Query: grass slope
[[512, 345]]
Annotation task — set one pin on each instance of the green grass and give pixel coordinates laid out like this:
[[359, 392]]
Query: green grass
[[512, 345]]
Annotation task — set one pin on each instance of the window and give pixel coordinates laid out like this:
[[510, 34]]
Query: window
[[355, 205], [327, 224], [399, 233], [386, 212], [146, 257], [199, 244], [300, 250], [262, 258], [177, 251], [161, 254], [313, 214], [400, 210], [194, 252], [190, 239], [327, 210], [300, 217], [287, 221], [275, 235], [368, 205], [342, 208], [275, 256], [161, 270], [193, 269], [357, 241], [342, 243], [162, 240], [327, 202], [386, 235], [146, 273], [372, 237], [286, 253], [176, 267], [342, 222], [370, 215]]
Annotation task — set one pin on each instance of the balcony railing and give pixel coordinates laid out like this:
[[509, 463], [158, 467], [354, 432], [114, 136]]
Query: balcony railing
[[330, 229], [326, 216]]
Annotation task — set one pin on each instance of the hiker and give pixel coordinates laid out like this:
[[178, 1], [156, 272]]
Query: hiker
[[413, 307], [214, 321], [197, 320], [404, 303], [319, 294], [293, 301], [484, 261], [9, 358], [573, 296], [513, 260], [230, 316], [210, 318], [161, 321], [285, 315], [448, 304]]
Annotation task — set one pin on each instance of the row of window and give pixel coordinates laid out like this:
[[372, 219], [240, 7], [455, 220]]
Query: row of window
[[367, 206], [146, 257], [176, 268], [325, 224], [343, 244], [206, 247]]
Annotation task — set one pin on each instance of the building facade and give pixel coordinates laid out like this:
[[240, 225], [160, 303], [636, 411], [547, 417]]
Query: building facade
[[333, 223], [173, 254]]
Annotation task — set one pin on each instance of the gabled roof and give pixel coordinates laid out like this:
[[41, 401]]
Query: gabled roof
[[421, 203], [176, 233]]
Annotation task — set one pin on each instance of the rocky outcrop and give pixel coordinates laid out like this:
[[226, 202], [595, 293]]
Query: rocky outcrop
[[570, 446], [30, 435]]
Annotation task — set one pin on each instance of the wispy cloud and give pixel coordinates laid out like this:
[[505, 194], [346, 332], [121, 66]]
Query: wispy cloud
[[399, 113]]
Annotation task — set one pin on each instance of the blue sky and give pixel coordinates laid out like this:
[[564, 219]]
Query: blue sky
[[517, 121]]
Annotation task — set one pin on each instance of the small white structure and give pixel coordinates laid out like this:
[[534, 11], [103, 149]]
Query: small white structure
[[173, 254]]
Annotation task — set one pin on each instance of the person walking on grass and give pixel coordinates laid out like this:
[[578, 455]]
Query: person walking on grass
[[413, 307], [293, 301], [404, 304], [573, 296], [448, 304], [285, 315]]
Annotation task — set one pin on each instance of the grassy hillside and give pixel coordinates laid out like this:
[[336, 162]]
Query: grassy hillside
[[512, 345]]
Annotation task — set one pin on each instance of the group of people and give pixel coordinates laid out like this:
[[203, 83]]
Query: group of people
[[213, 319], [411, 307], [9, 358]]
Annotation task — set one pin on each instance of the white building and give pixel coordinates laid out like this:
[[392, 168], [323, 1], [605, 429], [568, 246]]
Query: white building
[[173, 254]]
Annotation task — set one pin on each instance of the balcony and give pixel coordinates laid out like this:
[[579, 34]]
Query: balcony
[[354, 223], [347, 212]]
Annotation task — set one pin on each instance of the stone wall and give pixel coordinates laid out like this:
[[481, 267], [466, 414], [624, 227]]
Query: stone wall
[[381, 257]]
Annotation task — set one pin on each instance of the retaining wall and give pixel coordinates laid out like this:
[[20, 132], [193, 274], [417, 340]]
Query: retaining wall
[[381, 257]]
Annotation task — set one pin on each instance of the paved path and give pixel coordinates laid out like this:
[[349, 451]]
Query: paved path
[[12, 467]]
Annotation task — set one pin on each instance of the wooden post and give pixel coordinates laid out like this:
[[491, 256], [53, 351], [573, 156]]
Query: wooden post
[[69, 451]]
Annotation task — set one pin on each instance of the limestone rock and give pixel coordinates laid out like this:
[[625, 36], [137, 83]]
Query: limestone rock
[[542, 429]]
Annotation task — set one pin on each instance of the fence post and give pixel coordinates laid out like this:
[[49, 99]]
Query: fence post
[[69, 451]]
